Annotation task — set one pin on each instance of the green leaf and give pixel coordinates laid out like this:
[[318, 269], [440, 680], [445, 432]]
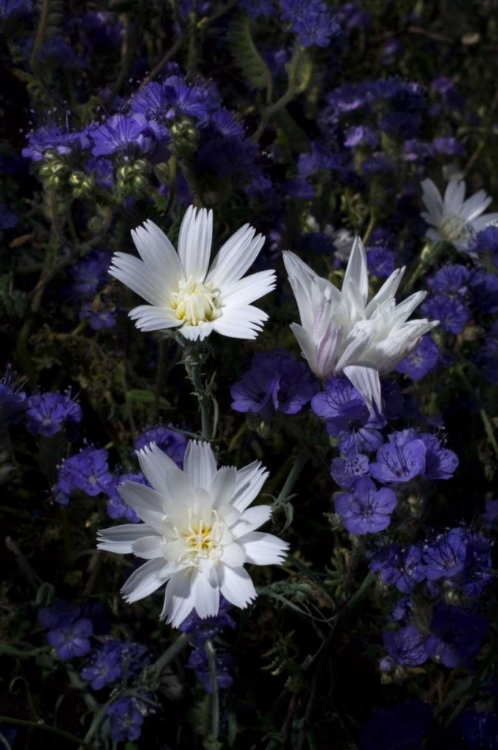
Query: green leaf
[[144, 397], [253, 66]]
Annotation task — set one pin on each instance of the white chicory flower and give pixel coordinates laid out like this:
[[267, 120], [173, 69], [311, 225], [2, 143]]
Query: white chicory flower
[[452, 218], [197, 532], [341, 334], [184, 291]]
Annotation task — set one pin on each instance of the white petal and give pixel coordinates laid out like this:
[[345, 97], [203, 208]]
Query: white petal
[[154, 464], [356, 271], [355, 344], [251, 519], [206, 594], [145, 580], [199, 464], [454, 196], [196, 333], [178, 600], [387, 290], [236, 586], [484, 221], [194, 242], [222, 487], [120, 539], [247, 290], [366, 380], [475, 206], [250, 480], [233, 555], [433, 200], [308, 347], [139, 496], [244, 322], [235, 257], [149, 547], [149, 318], [134, 274], [158, 254], [264, 549]]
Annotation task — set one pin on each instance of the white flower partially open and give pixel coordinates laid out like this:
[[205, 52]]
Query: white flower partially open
[[452, 218], [341, 333], [184, 292], [197, 532]]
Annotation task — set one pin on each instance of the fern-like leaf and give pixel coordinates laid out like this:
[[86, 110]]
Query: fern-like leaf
[[254, 68]]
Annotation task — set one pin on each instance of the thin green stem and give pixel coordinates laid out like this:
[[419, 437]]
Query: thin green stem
[[215, 697], [171, 653], [428, 256]]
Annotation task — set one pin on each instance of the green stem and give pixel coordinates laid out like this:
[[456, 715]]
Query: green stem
[[215, 697], [193, 360], [46, 728], [160, 377], [370, 229], [429, 254], [293, 476], [171, 653]]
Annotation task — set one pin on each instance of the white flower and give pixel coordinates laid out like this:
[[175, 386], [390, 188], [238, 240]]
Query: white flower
[[454, 219], [197, 532], [341, 333], [183, 291]]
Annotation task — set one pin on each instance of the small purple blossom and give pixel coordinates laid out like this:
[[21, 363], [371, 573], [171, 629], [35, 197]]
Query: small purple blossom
[[91, 272], [127, 716], [345, 471], [207, 628], [402, 567], [444, 556], [365, 509], [440, 463], [124, 132], [399, 463], [48, 413], [198, 661], [172, 442], [451, 312], [87, 471], [67, 633], [448, 146], [421, 361], [405, 646], [456, 635], [99, 319]]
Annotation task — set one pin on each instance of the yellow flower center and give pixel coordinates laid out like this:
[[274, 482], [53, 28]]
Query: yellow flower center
[[201, 540], [453, 228], [195, 303]]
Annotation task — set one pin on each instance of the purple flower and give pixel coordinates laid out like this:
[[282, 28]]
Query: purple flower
[[451, 280], [401, 567], [361, 135], [399, 463], [415, 150], [311, 21], [98, 318], [448, 146], [116, 507], [456, 635], [71, 639], [365, 509], [58, 614], [347, 417], [207, 628], [48, 413], [13, 401], [345, 471], [114, 660], [444, 556], [440, 463], [487, 241], [421, 361], [381, 262], [451, 312], [184, 101], [198, 661], [87, 471], [478, 571], [405, 646], [122, 132], [275, 382], [485, 290], [127, 716], [91, 272], [172, 442], [52, 139]]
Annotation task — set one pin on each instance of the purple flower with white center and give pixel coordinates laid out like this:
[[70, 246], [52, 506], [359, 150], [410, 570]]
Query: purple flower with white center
[[48, 413], [456, 635], [347, 417], [440, 463], [99, 319], [123, 132], [127, 716], [345, 471], [207, 628], [365, 509], [399, 463], [484, 288], [444, 556], [452, 313], [448, 146], [172, 442], [401, 567], [116, 507], [87, 471], [13, 401], [361, 135], [90, 273], [104, 668], [198, 661], [72, 639], [275, 382], [8, 219], [405, 646], [421, 361]]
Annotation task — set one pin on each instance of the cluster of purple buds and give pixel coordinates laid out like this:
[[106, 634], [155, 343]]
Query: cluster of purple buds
[[87, 471], [275, 382], [67, 632], [49, 413], [208, 629]]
